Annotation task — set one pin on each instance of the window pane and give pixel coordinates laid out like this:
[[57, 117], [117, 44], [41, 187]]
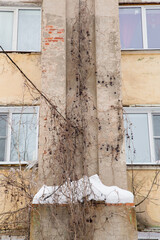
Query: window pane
[[157, 148], [130, 28], [137, 138], [6, 30], [156, 125], [23, 139], [3, 124], [153, 27], [2, 149], [29, 26]]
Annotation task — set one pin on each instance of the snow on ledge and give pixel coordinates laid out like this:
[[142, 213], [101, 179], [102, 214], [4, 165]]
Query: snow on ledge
[[75, 191]]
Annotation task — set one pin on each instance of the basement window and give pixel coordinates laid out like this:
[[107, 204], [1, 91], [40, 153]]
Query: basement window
[[20, 29], [18, 134], [142, 134], [140, 27]]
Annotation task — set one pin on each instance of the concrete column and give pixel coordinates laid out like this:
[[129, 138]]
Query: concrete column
[[91, 76], [108, 222], [53, 63], [111, 158], [81, 83]]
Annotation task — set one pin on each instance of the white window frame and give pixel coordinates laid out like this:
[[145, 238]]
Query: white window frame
[[10, 237], [149, 235], [144, 25], [15, 25], [144, 238], [22, 110], [149, 111]]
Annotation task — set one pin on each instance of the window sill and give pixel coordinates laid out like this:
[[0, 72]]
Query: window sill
[[16, 165], [22, 52], [24, 165], [13, 163], [140, 51], [144, 166]]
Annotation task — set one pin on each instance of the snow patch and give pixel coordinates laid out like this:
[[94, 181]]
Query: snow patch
[[75, 191]]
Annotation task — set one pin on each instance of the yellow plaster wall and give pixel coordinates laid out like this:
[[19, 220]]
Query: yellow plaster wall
[[13, 89], [17, 187], [140, 77], [141, 85], [148, 213]]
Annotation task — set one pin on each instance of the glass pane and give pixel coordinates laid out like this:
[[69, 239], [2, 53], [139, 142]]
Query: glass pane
[[29, 27], [3, 124], [153, 27], [23, 139], [6, 30], [157, 148], [130, 28], [137, 138], [2, 149], [156, 125]]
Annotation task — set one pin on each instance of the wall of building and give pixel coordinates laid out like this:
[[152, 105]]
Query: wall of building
[[106, 223], [145, 182], [93, 96], [112, 169], [15, 184], [140, 77], [140, 86], [16, 190], [14, 90], [82, 80], [53, 62], [117, 222], [20, 3], [103, 113]]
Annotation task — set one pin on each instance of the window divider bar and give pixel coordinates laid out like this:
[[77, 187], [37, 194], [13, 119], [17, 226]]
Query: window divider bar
[[151, 139], [15, 30], [144, 28], [37, 112], [8, 144]]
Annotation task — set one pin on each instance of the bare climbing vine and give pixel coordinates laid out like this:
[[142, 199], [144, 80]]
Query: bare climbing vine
[[66, 144]]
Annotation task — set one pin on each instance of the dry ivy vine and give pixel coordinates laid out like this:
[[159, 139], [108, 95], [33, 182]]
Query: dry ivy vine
[[68, 141]]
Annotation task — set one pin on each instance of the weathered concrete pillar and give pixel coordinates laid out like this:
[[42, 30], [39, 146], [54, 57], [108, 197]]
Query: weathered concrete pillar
[[81, 83], [107, 222], [112, 166], [53, 61], [83, 79], [92, 51]]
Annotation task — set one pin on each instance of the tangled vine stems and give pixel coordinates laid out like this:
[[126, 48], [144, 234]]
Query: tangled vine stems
[[16, 188], [69, 140], [42, 94], [68, 135]]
